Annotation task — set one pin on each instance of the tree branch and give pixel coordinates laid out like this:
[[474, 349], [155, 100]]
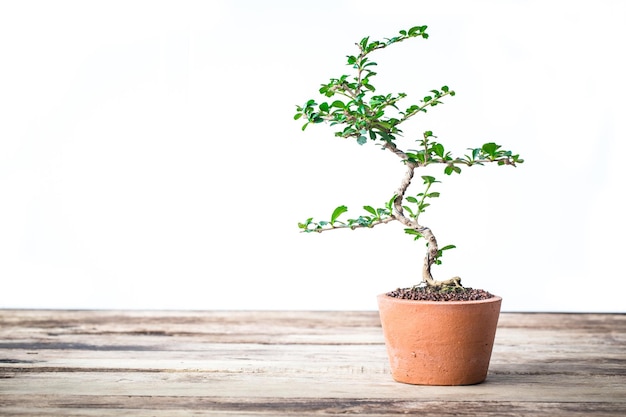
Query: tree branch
[[386, 220]]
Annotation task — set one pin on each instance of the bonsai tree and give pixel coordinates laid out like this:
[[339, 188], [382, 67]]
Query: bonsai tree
[[352, 104]]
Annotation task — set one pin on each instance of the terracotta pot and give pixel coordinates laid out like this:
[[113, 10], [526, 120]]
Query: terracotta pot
[[439, 342]]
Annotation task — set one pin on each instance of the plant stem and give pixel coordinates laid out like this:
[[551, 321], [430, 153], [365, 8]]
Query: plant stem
[[431, 241], [421, 203]]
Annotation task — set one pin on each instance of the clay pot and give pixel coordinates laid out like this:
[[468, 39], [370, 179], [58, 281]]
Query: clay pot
[[439, 342]]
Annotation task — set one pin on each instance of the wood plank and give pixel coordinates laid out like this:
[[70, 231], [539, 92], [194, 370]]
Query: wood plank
[[507, 387], [211, 406], [292, 363]]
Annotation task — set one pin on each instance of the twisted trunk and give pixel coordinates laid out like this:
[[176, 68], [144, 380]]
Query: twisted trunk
[[431, 241]]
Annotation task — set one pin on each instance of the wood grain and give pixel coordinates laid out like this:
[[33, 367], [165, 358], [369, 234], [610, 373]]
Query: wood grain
[[213, 363]]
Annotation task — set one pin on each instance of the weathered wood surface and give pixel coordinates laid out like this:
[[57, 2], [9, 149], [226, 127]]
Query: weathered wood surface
[[156, 363]]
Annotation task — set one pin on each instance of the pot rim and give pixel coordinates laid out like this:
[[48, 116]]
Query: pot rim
[[493, 299]]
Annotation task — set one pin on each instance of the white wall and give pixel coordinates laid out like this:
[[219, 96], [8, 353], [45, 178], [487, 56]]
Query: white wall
[[148, 156]]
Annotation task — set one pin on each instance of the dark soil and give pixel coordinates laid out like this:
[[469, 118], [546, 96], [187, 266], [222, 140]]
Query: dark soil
[[440, 294]]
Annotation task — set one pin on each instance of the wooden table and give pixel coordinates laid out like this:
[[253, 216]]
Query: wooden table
[[217, 363]]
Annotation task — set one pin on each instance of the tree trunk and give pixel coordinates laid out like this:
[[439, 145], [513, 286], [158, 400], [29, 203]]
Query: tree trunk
[[431, 241]]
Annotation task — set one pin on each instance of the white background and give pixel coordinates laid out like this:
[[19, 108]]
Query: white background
[[149, 159]]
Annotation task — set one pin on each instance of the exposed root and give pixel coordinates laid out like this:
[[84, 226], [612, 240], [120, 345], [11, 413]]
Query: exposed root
[[452, 282]]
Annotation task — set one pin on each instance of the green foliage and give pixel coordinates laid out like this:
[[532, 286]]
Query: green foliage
[[353, 106], [362, 114]]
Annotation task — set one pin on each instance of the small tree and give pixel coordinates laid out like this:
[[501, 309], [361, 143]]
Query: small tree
[[365, 115]]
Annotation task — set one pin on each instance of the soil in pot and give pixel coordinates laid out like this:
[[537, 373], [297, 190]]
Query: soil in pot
[[434, 294]]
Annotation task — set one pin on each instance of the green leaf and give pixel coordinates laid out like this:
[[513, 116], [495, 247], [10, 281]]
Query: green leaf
[[438, 149], [297, 116], [338, 212], [490, 149], [361, 140], [413, 233], [416, 30], [324, 107], [389, 204], [419, 156], [369, 87], [386, 136], [411, 199], [348, 131], [371, 210], [428, 179]]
